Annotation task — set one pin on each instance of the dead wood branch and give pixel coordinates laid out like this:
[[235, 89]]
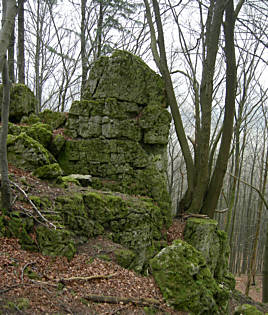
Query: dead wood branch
[[62, 280], [122, 300], [32, 204]]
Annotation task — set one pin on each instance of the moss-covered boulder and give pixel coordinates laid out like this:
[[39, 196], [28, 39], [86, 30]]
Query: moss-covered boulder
[[49, 171], [185, 280], [247, 309], [27, 153], [41, 133], [22, 102], [129, 221], [54, 119], [204, 235]]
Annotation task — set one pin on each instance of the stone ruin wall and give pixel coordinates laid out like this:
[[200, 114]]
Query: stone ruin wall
[[119, 130]]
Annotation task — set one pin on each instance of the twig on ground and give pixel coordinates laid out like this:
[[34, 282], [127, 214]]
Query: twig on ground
[[62, 280], [32, 204], [122, 300]]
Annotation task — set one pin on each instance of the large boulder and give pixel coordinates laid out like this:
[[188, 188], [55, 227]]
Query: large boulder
[[205, 236], [22, 102], [186, 282], [27, 153], [130, 221]]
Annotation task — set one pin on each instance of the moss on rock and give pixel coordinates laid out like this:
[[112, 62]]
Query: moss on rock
[[247, 309], [50, 171], [204, 235], [22, 102], [27, 153], [55, 242], [54, 119], [186, 282], [41, 133]]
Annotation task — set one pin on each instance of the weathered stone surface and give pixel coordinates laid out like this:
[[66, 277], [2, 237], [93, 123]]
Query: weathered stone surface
[[120, 129], [204, 235], [22, 102], [27, 153], [131, 222], [41, 133], [125, 77], [185, 280]]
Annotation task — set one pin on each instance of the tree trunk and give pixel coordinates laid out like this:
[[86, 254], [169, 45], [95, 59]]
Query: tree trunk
[[216, 182], [8, 26], [21, 50], [5, 186], [11, 57], [8, 20], [83, 45]]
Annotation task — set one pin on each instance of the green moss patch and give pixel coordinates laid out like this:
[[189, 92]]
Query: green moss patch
[[186, 282]]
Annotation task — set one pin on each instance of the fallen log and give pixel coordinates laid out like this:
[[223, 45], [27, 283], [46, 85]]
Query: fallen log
[[122, 300]]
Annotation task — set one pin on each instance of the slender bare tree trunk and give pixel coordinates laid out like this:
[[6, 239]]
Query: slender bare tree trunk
[[83, 45], [8, 20], [21, 42]]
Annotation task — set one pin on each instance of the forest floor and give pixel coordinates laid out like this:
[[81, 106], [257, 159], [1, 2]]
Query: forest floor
[[255, 290], [31, 283]]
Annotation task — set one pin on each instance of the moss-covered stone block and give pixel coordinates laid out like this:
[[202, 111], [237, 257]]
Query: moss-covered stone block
[[13, 225], [22, 102], [204, 235], [185, 280], [27, 153], [75, 216], [247, 309], [55, 242], [54, 119], [50, 171], [65, 181], [41, 133]]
